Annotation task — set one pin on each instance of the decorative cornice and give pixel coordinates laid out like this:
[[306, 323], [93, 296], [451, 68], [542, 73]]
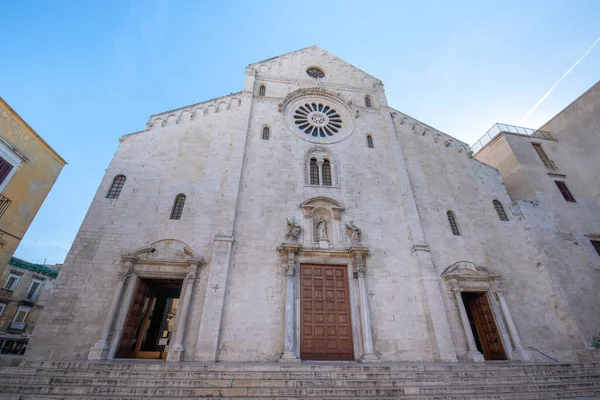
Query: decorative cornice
[[317, 92], [193, 111], [419, 128], [305, 82]]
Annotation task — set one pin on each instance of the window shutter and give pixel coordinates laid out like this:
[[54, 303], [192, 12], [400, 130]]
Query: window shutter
[[5, 168]]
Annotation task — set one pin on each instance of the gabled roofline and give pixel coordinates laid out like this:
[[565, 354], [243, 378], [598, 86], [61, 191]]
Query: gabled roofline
[[314, 47]]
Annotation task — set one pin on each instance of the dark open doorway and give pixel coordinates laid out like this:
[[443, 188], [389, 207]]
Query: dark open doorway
[[150, 320]]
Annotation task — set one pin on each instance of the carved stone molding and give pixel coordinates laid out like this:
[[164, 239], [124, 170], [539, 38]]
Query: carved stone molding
[[465, 275], [288, 254], [321, 153]]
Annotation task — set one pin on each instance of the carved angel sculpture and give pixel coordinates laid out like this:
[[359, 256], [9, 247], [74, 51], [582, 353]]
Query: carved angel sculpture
[[293, 230], [353, 232]]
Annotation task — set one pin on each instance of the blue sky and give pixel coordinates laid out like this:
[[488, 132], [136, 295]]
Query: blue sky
[[83, 73]]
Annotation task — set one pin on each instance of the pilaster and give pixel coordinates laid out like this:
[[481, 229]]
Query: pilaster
[[214, 299]]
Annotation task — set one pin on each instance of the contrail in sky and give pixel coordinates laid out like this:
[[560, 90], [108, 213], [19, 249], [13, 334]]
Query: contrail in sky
[[558, 81]]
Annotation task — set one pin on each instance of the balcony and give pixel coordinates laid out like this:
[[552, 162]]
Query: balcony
[[499, 129], [4, 203]]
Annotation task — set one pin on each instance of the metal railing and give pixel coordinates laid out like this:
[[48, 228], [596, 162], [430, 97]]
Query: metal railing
[[544, 354], [4, 203], [498, 129]]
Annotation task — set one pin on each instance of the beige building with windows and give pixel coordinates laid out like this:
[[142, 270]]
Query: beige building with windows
[[23, 293], [28, 170], [303, 218]]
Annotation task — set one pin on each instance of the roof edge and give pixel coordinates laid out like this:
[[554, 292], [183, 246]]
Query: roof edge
[[25, 125]]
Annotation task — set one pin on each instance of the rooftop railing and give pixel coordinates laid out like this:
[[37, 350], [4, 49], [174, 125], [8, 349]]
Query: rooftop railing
[[498, 129]]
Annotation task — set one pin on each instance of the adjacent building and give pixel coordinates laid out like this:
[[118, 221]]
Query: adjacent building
[[303, 218], [23, 293], [28, 169]]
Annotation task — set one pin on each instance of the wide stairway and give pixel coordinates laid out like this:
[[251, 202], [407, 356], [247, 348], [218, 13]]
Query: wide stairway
[[153, 380]]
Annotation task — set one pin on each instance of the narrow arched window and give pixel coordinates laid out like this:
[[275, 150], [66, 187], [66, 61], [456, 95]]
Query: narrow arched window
[[326, 168], [500, 210], [262, 90], [178, 206], [453, 224], [370, 142], [266, 134], [368, 102], [116, 187], [314, 172]]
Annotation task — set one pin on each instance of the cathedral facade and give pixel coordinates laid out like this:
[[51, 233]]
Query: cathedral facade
[[305, 219]]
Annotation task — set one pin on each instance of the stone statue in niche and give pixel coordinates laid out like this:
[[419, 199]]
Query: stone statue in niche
[[293, 230], [353, 232], [321, 230]]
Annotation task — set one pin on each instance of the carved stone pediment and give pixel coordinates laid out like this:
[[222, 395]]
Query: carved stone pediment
[[468, 270], [468, 277], [167, 251]]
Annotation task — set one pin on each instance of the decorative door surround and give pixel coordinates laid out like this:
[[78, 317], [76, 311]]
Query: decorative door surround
[[167, 259], [332, 248], [464, 276]]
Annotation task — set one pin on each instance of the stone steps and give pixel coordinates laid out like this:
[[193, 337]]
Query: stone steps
[[417, 381], [283, 383]]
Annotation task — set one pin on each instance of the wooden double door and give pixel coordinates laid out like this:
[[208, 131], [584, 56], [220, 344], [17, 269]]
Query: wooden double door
[[326, 327], [484, 327]]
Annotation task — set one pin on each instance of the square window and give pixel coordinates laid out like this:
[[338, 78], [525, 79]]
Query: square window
[[34, 288], [12, 281], [564, 190]]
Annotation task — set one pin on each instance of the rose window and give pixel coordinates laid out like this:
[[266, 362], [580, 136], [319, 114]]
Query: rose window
[[317, 120], [315, 73]]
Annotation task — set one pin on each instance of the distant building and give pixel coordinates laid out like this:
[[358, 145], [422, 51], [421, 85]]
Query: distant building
[[28, 169], [22, 295]]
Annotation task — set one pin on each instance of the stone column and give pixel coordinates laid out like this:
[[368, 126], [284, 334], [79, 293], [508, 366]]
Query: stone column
[[336, 228], [473, 354], [99, 350], [519, 353], [289, 354], [365, 318], [320, 166], [308, 229], [176, 348]]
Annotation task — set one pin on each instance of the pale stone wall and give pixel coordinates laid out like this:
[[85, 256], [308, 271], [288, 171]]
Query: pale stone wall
[[239, 185], [556, 229], [200, 158], [577, 128]]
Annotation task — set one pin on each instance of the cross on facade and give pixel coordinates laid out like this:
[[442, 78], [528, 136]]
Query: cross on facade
[[371, 294], [216, 287]]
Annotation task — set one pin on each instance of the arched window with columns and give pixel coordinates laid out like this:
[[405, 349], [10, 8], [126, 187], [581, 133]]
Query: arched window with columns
[[262, 91], [368, 103], [321, 168]]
